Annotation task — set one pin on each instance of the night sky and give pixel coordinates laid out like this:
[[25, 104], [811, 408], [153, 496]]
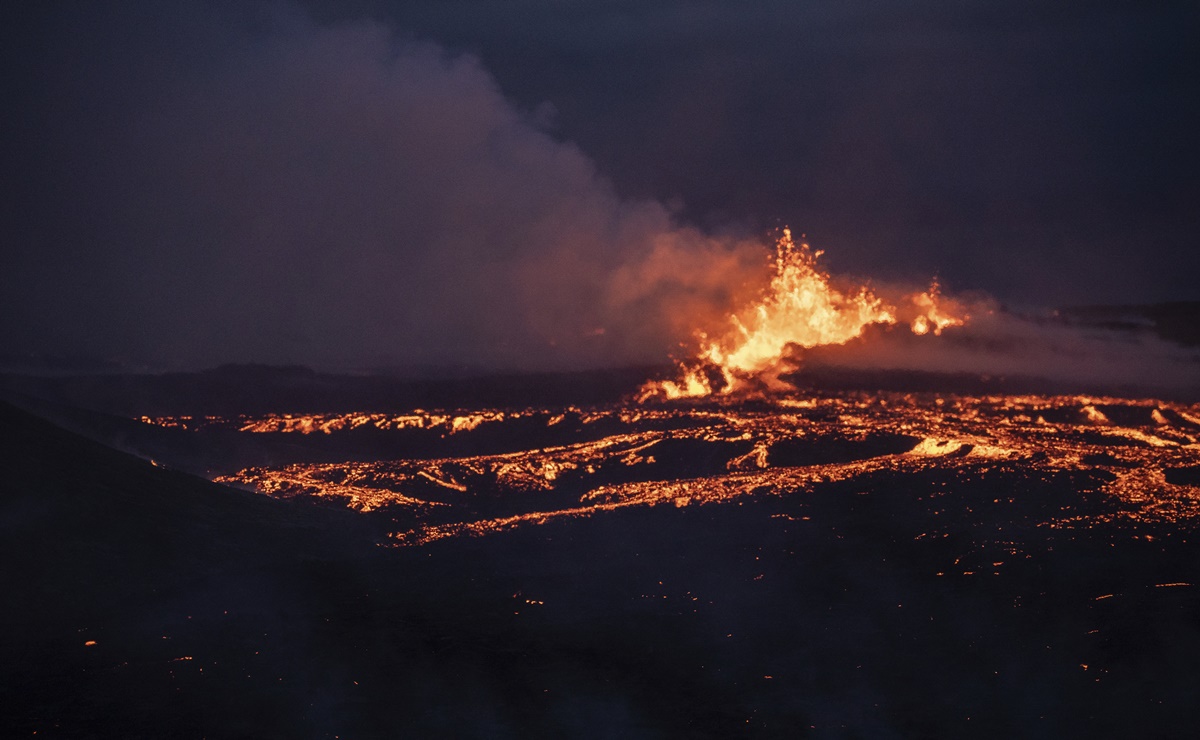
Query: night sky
[[566, 184]]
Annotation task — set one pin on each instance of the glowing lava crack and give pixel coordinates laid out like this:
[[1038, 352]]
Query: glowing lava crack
[[1122, 459]]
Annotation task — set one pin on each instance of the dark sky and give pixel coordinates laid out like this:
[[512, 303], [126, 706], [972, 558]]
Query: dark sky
[[540, 183]]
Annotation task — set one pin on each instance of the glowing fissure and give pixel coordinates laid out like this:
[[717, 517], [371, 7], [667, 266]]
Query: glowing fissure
[[1134, 460], [333, 423], [800, 309]]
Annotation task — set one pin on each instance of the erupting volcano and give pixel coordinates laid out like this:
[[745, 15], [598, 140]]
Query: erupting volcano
[[415, 369], [801, 309], [750, 551]]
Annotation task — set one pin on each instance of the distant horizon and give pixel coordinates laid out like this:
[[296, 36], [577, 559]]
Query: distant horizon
[[50, 365]]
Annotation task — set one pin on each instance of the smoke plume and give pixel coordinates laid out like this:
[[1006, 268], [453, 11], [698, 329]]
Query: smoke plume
[[336, 196]]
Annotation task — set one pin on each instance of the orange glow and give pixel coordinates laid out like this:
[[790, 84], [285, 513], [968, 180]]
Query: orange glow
[[800, 309], [1122, 449], [932, 315], [334, 423]]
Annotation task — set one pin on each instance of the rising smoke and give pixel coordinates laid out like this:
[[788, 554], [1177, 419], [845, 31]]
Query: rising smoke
[[341, 197], [197, 186]]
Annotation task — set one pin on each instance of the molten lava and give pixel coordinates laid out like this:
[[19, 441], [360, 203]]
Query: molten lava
[[800, 309], [1054, 462], [932, 316]]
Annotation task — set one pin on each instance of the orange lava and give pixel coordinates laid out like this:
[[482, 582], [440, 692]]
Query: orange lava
[[800, 309], [1140, 455]]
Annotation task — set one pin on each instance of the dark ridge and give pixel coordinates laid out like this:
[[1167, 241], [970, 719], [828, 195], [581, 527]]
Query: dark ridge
[[115, 569], [219, 449], [63, 493], [260, 389]]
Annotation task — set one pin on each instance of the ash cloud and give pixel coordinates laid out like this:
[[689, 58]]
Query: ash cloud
[[197, 186]]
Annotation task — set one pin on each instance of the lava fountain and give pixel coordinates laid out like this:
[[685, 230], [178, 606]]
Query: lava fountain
[[800, 309]]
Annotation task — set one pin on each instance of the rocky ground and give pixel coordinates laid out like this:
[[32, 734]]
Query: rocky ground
[[843, 566]]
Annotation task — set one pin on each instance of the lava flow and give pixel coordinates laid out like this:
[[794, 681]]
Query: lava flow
[[801, 309], [1019, 462]]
